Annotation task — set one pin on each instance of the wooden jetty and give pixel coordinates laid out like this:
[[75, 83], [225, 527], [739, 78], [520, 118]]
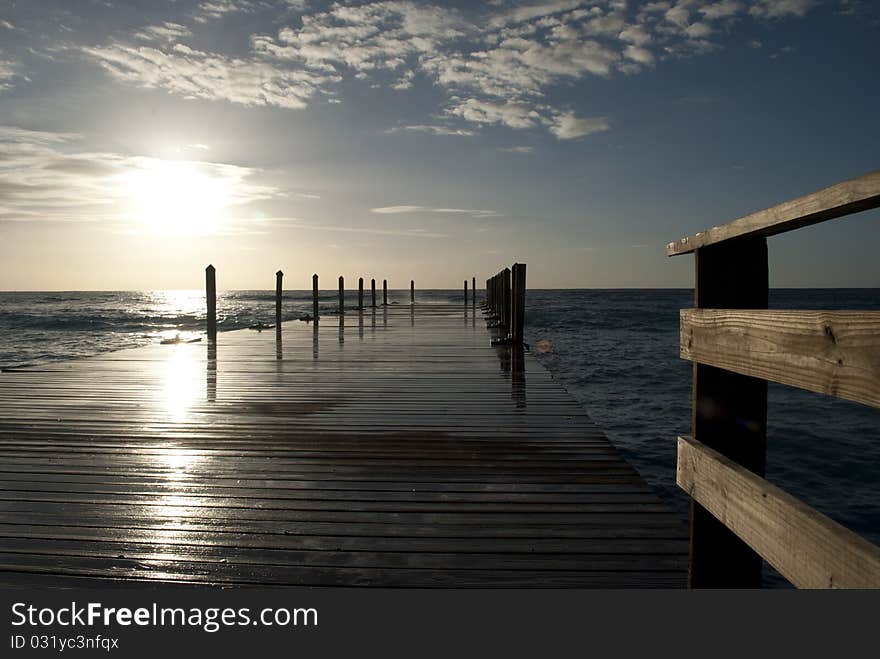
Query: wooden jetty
[[736, 345], [387, 446]]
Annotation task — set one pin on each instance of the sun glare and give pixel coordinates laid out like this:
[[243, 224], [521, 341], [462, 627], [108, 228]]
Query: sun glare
[[176, 197]]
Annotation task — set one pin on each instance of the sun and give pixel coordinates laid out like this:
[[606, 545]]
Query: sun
[[176, 197]]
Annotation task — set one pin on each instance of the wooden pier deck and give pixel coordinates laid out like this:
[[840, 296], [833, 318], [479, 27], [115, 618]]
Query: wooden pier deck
[[398, 449]]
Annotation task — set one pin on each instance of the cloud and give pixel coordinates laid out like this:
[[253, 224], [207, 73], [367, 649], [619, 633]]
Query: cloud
[[398, 210], [496, 64], [217, 9], [8, 71], [781, 8], [196, 74], [43, 177], [518, 149], [567, 126], [164, 32], [431, 130], [723, 9], [509, 113]]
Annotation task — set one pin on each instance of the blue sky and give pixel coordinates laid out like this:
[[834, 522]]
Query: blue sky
[[141, 140]]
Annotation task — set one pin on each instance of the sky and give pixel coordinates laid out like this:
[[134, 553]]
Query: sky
[[142, 140]]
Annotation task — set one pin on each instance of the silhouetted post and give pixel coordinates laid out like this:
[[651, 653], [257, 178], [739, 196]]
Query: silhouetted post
[[465, 291], [474, 290], [384, 292], [315, 297], [373, 292], [360, 293], [211, 297], [341, 295], [278, 277], [518, 302], [505, 305], [488, 301], [729, 409], [412, 291]]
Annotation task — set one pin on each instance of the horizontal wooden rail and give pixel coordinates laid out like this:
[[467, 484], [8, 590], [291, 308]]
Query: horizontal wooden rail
[[805, 546], [856, 195], [830, 352]]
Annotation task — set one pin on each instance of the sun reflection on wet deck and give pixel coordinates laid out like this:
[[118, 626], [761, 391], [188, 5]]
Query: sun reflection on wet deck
[[182, 383]]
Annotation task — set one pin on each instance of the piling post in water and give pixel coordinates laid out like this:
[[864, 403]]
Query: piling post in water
[[360, 293], [315, 297], [278, 287], [412, 291], [211, 298], [384, 292], [465, 291], [474, 290], [518, 303], [373, 292], [341, 295], [505, 283]]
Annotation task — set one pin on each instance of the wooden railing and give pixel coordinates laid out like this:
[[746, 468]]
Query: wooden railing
[[736, 345], [505, 302]]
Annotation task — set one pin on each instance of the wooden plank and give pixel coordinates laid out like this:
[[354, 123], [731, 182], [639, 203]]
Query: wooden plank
[[829, 352], [729, 410], [400, 450], [805, 546], [853, 196]]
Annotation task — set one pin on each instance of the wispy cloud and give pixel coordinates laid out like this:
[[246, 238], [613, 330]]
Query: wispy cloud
[[431, 130], [165, 32], [567, 126], [7, 74], [495, 65], [518, 149], [197, 74], [399, 210]]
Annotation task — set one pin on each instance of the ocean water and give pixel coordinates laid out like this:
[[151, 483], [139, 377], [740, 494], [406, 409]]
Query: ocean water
[[615, 351]]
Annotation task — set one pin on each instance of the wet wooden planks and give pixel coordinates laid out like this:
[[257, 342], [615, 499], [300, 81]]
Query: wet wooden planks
[[392, 447]]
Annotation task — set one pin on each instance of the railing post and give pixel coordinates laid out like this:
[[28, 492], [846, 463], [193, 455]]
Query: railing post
[[384, 292], [412, 291], [211, 298], [315, 297], [360, 293], [465, 291], [474, 290], [278, 287], [518, 303], [729, 410], [341, 295], [373, 292]]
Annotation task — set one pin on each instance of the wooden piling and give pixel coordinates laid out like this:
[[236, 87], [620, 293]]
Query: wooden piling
[[465, 292], [315, 297], [341, 295], [412, 291], [384, 292], [211, 298], [360, 293], [505, 304], [373, 293], [518, 302], [474, 290], [278, 287]]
